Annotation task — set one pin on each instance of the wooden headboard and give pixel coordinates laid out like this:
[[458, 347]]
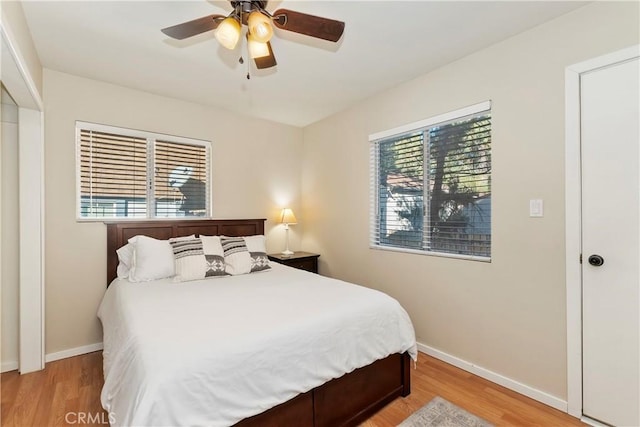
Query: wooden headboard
[[118, 233]]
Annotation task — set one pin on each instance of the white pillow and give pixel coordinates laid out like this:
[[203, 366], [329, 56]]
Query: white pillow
[[125, 260], [152, 259], [255, 243]]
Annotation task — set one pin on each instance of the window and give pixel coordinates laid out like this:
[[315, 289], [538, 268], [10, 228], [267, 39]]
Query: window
[[431, 185], [124, 173]]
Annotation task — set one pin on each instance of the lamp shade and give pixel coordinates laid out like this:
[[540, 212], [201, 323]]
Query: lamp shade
[[256, 49], [260, 26], [288, 217], [228, 32]]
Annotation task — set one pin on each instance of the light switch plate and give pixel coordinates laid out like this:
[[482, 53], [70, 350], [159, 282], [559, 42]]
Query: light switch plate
[[536, 208]]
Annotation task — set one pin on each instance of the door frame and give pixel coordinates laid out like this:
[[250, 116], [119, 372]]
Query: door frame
[[573, 218], [31, 307]]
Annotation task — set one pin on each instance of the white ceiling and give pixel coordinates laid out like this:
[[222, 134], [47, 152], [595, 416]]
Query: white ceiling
[[384, 43]]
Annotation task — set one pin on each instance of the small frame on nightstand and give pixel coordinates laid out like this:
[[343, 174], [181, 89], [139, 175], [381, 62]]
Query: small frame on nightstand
[[300, 260]]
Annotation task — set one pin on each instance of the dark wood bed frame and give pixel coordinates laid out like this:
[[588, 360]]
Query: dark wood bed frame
[[344, 401]]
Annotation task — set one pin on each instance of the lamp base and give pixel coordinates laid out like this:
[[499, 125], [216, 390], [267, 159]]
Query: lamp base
[[287, 252]]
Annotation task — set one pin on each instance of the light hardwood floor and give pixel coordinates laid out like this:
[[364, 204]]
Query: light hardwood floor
[[68, 388]]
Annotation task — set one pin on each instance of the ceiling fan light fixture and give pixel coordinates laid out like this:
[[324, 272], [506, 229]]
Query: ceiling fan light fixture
[[260, 26], [228, 32], [256, 48]]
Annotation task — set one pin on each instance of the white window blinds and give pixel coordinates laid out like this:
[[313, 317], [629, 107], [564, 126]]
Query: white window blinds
[[181, 179], [431, 186], [113, 175], [400, 191], [125, 173]]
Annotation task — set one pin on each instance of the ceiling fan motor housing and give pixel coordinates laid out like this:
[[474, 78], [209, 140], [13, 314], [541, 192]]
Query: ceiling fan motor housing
[[244, 8]]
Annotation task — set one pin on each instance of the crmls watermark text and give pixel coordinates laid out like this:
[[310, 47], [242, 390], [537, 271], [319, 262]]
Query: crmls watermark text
[[90, 418]]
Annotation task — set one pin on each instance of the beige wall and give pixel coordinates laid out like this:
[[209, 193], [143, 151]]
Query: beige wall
[[256, 170], [507, 316], [9, 230], [13, 18]]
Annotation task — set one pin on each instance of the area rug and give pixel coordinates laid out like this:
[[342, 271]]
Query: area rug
[[441, 413]]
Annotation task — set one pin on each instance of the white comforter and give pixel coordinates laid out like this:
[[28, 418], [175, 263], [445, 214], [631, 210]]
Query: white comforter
[[216, 351]]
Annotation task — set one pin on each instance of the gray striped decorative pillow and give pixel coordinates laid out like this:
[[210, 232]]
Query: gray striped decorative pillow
[[189, 258], [257, 249], [236, 255], [245, 254]]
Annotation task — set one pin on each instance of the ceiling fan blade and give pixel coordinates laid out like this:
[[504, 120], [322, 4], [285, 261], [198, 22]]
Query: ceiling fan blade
[[193, 28], [266, 61], [314, 26]]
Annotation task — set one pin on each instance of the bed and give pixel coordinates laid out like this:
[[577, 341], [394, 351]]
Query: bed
[[338, 399]]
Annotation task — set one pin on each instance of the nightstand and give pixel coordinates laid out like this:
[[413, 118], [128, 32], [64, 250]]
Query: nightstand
[[301, 260]]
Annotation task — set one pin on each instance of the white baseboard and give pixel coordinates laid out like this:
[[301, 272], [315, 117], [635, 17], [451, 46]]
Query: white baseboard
[[77, 351], [9, 365], [12, 365], [540, 396], [592, 422]]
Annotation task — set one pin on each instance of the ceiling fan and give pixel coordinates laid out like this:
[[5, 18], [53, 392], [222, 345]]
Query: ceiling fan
[[254, 15]]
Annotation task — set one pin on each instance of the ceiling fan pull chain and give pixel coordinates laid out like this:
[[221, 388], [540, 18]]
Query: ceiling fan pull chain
[[249, 68], [242, 10]]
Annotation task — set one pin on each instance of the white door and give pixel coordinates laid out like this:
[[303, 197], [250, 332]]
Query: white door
[[610, 145]]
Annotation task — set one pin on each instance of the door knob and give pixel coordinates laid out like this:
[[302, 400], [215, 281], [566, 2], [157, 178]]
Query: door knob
[[596, 260]]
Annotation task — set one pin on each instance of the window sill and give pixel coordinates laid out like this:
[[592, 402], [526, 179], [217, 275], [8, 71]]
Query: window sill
[[108, 220], [429, 253]]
